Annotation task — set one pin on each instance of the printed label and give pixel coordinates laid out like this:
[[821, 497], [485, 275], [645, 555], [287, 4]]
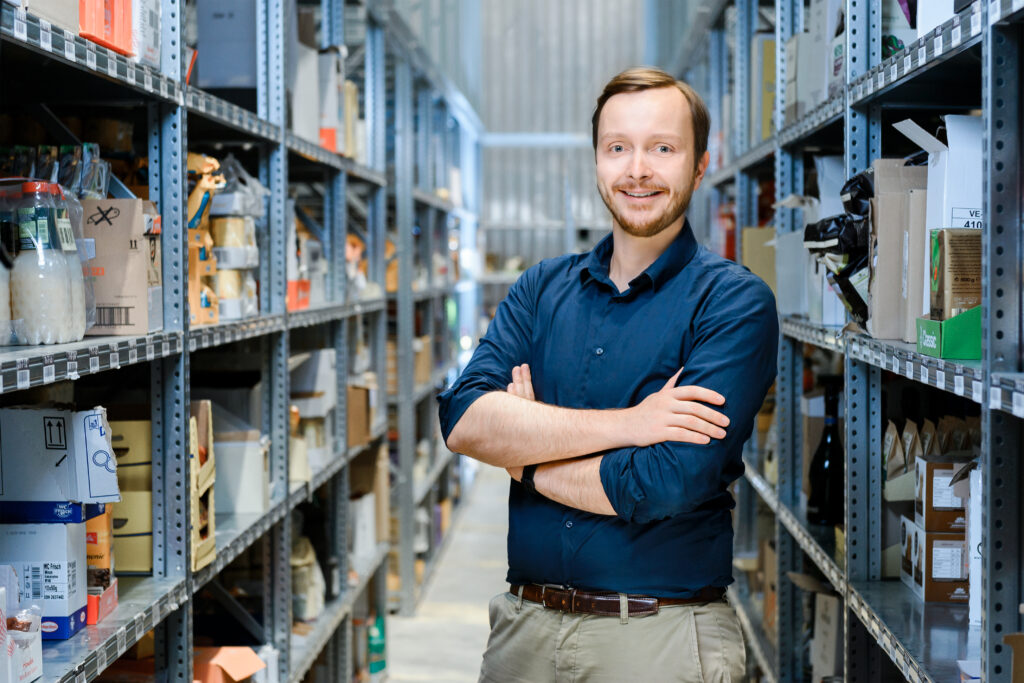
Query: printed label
[[943, 497], [130, 73], [20, 27], [922, 55], [90, 58], [1018, 404], [940, 379], [23, 379], [72, 369], [924, 375], [65, 234], [958, 385], [937, 44], [45, 36], [909, 371], [908, 64], [995, 398], [967, 218], [955, 38], [947, 560], [69, 46], [976, 391]]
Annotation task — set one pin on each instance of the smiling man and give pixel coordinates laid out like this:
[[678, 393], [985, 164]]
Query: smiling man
[[594, 387]]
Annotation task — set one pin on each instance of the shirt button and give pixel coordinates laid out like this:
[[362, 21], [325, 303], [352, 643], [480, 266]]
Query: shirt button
[[599, 351], [568, 525]]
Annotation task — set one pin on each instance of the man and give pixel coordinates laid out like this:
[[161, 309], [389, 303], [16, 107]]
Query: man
[[593, 386]]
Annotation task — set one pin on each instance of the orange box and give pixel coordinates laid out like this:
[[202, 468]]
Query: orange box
[[101, 605], [329, 139], [298, 295], [225, 664], [107, 22], [99, 548]]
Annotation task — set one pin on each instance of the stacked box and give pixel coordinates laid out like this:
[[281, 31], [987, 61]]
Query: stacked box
[[202, 474]]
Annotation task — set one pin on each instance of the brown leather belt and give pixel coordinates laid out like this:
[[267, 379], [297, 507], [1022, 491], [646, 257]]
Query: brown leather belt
[[607, 604]]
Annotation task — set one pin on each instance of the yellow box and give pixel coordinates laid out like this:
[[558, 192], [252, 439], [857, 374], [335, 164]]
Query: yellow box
[[203, 461], [204, 545], [133, 532], [133, 445]]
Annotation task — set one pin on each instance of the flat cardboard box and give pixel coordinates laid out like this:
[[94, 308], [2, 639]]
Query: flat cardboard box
[[305, 95], [936, 505], [227, 44], [146, 32], [132, 441], [954, 179], [358, 409], [758, 253], [133, 533], [932, 564], [890, 209], [225, 664], [126, 273], [958, 338], [915, 242], [955, 272], [72, 448], [762, 87], [101, 604], [60, 13], [50, 556], [204, 467]]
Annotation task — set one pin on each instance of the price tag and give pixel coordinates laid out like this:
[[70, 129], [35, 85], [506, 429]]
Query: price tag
[[940, 379], [72, 369], [115, 361], [976, 391], [908, 63], [163, 88], [101, 658], [1018, 404], [133, 355], [45, 35], [958, 385], [140, 626], [147, 80], [192, 345], [937, 45], [80, 677], [922, 55], [150, 353], [895, 365], [49, 374], [130, 74], [206, 340], [924, 375], [111, 64], [69, 46], [879, 359], [90, 58], [94, 364], [881, 79], [995, 398], [122, 641], [955, 39], [23, 379], [975, 23], [909, 369], [893, 74], [20, 24]]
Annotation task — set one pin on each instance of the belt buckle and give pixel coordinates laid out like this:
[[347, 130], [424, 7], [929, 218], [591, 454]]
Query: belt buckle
[[572, 601]]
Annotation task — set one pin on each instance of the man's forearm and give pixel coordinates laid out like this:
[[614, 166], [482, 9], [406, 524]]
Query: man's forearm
[[575, 483], [508, 431]]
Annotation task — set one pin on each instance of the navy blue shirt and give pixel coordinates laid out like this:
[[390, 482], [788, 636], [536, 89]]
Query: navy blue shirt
[[591, 347]]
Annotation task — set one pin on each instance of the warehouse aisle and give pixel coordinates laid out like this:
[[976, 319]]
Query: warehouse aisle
[[445, 639]]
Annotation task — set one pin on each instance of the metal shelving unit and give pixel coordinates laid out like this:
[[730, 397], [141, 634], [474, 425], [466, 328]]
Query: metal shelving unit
[[982, 47], [165, 601]]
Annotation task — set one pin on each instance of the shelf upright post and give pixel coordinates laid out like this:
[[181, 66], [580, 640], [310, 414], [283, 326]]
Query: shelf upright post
[[1001, 351], [169, 377], [718, 86], [277, 595], [746, 184], [404, 211]]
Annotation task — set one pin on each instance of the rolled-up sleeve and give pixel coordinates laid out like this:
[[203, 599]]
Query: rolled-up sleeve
[[505, 346], [734, 353]]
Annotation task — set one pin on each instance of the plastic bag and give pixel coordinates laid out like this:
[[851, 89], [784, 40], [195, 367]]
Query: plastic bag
[[857, 193], [243, 195], [844, 235]]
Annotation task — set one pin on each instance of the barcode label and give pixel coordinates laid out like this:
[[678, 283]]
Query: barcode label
[[94, 364], [879, 359], [958, 385], [893, 73], [45, 36], [1018, 404], [65, 235], [69, 46], [163, 88], [976, 23], [80, 677], [909, 369], [133, 356], [90, 58], [995, 398], [937, 44], [147, 80], [20, 27], [101, 658], [895, 364], [976, 391], [111, 64], [192, 345], [955, 39], [908, 64], [72, 369], [23, 379], [150, 352], [922, 55], [122, 641], [130, 73], [881, 79], [35, 582], [115, 361], [49, 374], [113, 316], [924, 375], [940, 379]]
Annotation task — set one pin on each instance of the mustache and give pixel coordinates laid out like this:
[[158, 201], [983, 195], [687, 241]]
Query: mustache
[[638, 189]]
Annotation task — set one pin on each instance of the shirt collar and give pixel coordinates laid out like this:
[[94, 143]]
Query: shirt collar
[[595, 264]]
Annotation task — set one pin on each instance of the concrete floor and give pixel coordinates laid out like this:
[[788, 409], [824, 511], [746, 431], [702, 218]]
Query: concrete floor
[[446, 637]]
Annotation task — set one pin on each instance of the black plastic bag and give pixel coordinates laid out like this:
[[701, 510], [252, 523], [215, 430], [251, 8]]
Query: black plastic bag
[[842, 235]]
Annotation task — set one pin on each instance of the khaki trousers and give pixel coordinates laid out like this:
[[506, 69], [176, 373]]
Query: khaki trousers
[[687, 643]]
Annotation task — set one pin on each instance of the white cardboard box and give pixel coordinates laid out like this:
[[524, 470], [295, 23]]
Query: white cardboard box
[[954, 179], [364, 526], [827, 643], [243, 479], [932, 13], [314, 384], [331, 68], [305, 96], [50, 561], [146, 32], [57, 455], [227, 44]]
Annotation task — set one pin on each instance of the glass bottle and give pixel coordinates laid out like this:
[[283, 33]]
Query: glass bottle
[[826, 505]]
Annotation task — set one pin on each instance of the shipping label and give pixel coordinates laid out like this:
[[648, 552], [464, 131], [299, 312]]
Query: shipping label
[[967, 218]]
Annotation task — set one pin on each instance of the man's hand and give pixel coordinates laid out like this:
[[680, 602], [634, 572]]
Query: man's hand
[[677, 414], [521, 386]]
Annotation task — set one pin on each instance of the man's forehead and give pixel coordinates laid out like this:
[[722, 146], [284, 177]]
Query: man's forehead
[[665, 109]]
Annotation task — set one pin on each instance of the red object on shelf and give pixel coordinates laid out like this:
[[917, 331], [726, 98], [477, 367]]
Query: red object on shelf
[[99, 607], [107, 22]]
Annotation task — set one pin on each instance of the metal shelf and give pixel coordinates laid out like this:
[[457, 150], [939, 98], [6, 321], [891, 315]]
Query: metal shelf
[[143, 602], [746, 161], [962, 378], [954, 36], [422, 488], [66, 47], [432, 200], [210, 336], [757, 642], [22, 367], [236, 533], [818, 543], [1007, 393], [823, 116], [828, 338], [306, 649], [312, 151], [231, 115], [1005, 11], [332, 312], [916, 635], [423, 390]]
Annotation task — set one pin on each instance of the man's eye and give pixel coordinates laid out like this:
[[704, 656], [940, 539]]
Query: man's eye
[[664, 149], [617, 148]]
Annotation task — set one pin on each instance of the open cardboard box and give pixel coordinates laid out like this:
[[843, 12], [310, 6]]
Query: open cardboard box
[[958, 338]]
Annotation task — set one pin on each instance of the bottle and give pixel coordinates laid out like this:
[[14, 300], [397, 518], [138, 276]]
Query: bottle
[[76, 280], [8, 227], [826, 505], [378, 650], [40, 293]]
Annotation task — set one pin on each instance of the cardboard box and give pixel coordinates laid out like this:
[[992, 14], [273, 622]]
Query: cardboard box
[[915, 242], [932, 564], [132, 441], [954, 179], [49, 559], [370, 473], [758, 253], [201, 446], [305, 95], [827, 642], [107, 22], [298, 295], [225, 664], [936, 505], [243, 484], [227, 44], [762, 87], [203, 531], [351, 118], [890, 210], [955, 272], [56, 455], [126, 273], [99, 549], [146, 32], [958, 338], [358, 409], [60, 13], [314, 384], [331, 69], [101, 603], [364, 527], [133, 533], [931, 14]]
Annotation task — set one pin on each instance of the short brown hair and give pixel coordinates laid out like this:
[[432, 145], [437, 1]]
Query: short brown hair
[[648, 78]]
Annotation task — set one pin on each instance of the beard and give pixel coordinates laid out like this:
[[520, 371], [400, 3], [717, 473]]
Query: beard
[[648, 224]]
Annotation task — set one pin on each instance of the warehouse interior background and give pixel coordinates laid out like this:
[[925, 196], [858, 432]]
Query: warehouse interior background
[[245, 243]]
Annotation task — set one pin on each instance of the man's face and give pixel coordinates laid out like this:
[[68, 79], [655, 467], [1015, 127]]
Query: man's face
[[645, 159]]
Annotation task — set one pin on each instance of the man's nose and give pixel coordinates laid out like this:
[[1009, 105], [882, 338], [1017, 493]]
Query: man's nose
[[639, 169]]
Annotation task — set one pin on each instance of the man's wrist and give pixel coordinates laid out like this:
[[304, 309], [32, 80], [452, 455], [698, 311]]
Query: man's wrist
[[527, 479]]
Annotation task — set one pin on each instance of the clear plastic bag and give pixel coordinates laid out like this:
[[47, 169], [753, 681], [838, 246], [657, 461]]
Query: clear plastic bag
[[242, 195]]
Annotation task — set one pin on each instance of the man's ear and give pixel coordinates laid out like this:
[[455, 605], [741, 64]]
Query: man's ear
[[702, 168]]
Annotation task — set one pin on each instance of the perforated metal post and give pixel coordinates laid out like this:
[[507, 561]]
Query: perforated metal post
[[1001, 333]]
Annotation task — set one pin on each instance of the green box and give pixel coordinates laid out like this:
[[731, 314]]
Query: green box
[[958, 338]]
